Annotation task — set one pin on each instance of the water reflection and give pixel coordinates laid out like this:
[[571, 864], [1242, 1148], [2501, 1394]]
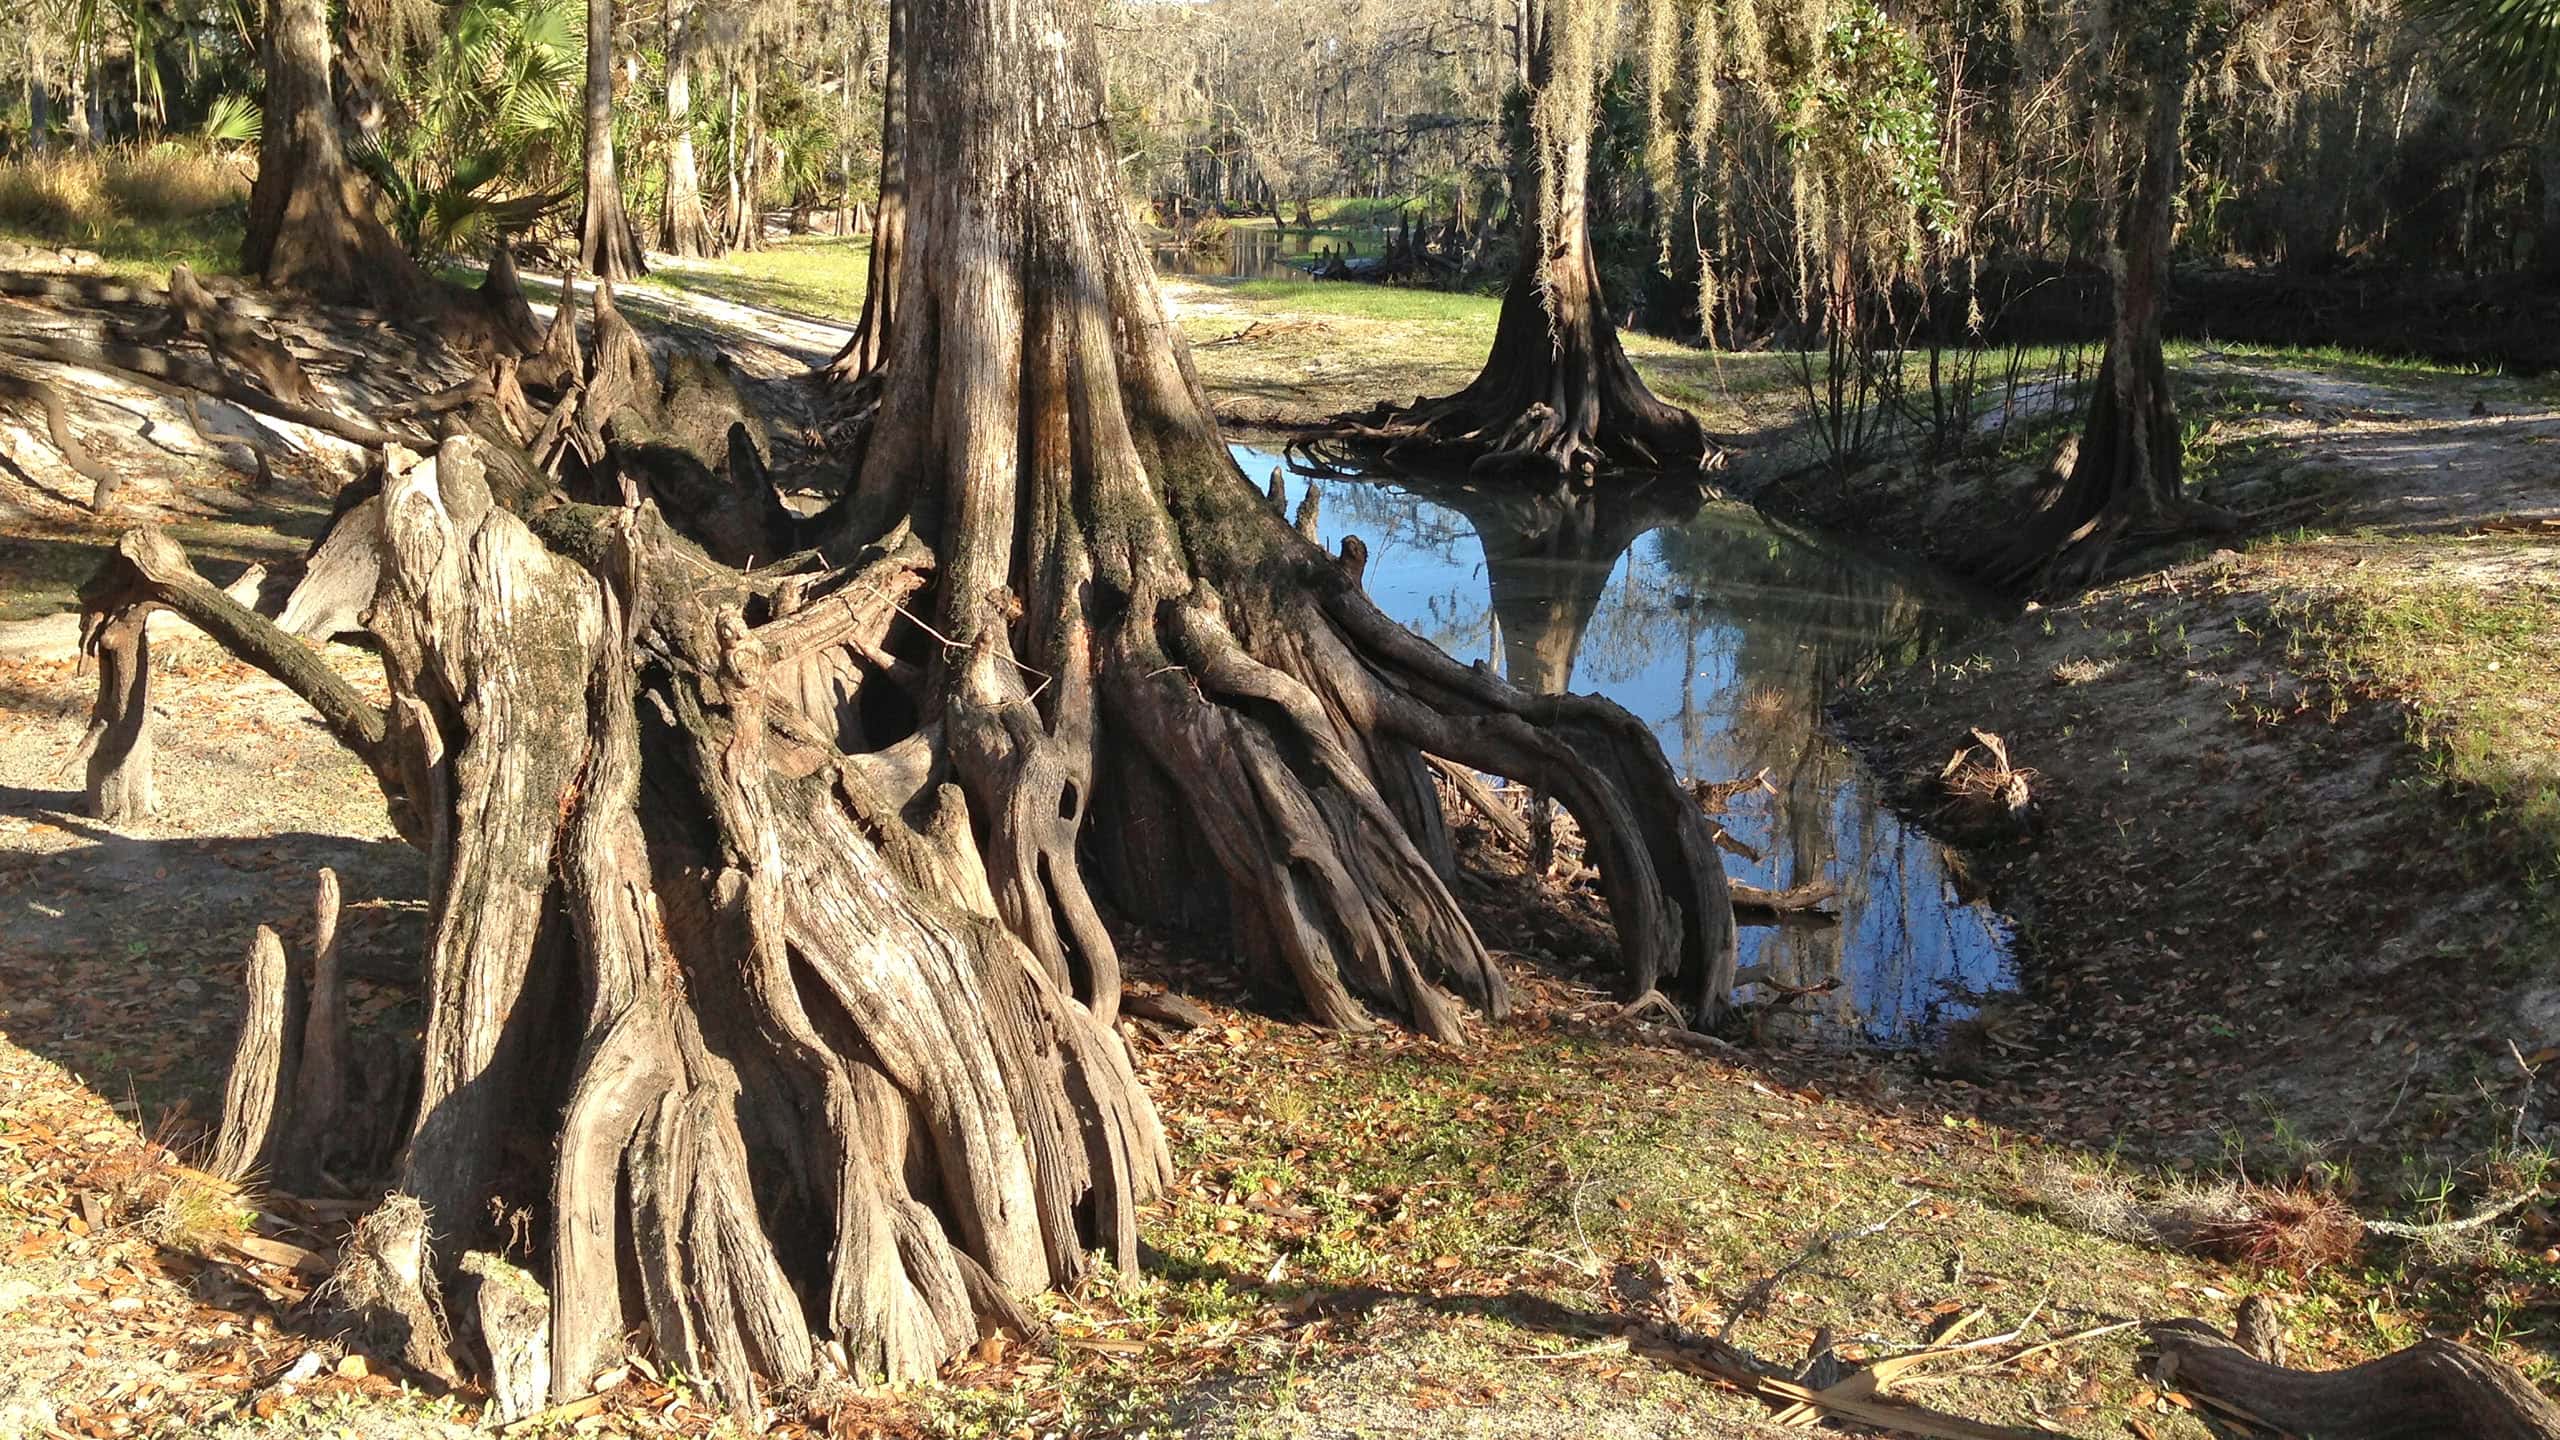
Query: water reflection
[[1725, 634], [1249, 252]]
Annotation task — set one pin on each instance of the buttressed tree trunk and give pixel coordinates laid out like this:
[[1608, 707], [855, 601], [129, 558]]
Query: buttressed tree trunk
[[1557, 396], [607, 248], [312, 226], [782, 889], [861, 353], [2126, 477], [683, 229]]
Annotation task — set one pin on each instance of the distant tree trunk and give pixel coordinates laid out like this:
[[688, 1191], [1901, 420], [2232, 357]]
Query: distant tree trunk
[[312, 225], [607, 249], [747, 216], [39, 101], [76, 116], [1558, 397], [2546, 244], [870, 341], [683, 229], [2126, 477]]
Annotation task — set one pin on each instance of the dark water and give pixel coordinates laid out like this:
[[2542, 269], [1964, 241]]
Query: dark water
[[1250, 252], [1726, 635]]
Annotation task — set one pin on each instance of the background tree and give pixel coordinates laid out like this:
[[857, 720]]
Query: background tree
[[312, 225], [1558, 395], [683, 228], [607, 248]]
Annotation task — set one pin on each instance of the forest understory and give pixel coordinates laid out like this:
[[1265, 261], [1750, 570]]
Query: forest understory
[[1385, 1235]]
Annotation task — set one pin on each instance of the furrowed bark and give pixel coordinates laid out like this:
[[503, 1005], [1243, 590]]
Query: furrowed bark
[[118, 745], [2433, 1390], [311, 222], [606, 246], [257, 1100], [862, 352]]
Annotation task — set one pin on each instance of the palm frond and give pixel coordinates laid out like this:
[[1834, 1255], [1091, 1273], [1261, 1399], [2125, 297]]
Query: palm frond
[[233, 120], [2511, 47]]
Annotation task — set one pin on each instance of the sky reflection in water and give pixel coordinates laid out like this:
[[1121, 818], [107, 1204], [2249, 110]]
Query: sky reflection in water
[[1725, 635]]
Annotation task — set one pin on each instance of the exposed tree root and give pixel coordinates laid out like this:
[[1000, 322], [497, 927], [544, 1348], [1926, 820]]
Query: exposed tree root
[[2435, 1388], [65, 439]]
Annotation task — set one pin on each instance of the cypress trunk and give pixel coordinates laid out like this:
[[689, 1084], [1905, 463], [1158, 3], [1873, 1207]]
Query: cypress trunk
[[607, 248], [1557, 397], [870, 340], [768, 904], [312, 226], [683, 229]]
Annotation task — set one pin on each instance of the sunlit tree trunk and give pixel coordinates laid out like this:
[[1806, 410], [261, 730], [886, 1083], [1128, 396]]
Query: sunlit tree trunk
[[1557, 397], [683, 229], [311, 223], [607, 248], [766, 958], [861, 354], [2126, 476]]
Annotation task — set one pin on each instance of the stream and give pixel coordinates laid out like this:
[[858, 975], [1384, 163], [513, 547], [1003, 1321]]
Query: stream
[[1726, 634], [1249, 252]]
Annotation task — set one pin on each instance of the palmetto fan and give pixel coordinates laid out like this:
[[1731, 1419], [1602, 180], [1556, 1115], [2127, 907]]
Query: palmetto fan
[[2511, 46]]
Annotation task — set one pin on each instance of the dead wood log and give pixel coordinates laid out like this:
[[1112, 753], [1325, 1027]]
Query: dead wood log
[[257, 1099], [1470, 787], [149, 571], [2433, 1390], [151, 365], [118, 745], [194, 311], [320, 1078], [339, 579], [1166, 1008], [57, 424], [1753, 905], [513, 1317]]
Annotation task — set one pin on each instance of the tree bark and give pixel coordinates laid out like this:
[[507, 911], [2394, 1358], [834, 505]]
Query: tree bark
[[1557, 397], [746, 212], [311, 224], [683, 229], [766, 960], [257, 1100], [870, 340], [2434, 1390], [607, 248]]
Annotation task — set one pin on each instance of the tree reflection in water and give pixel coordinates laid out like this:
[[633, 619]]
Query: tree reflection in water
[[1726, 633]]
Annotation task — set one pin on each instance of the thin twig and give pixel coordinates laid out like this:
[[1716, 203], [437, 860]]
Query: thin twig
[[1758, 1295]]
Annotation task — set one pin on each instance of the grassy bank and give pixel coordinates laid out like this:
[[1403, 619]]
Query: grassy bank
[[2288, 887], [139, 211]]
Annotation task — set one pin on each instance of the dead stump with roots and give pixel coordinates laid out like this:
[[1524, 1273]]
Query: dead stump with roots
[[781, 892]]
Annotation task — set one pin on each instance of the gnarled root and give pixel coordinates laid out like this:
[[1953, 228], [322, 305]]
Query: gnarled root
[[2435, 1388]]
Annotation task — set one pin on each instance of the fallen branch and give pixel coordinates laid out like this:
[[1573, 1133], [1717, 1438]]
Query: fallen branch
[[1719, 1361], [2435, 1388]]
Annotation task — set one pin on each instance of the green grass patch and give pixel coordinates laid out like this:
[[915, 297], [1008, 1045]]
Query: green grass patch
[[821, 276], [2479, 667]]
